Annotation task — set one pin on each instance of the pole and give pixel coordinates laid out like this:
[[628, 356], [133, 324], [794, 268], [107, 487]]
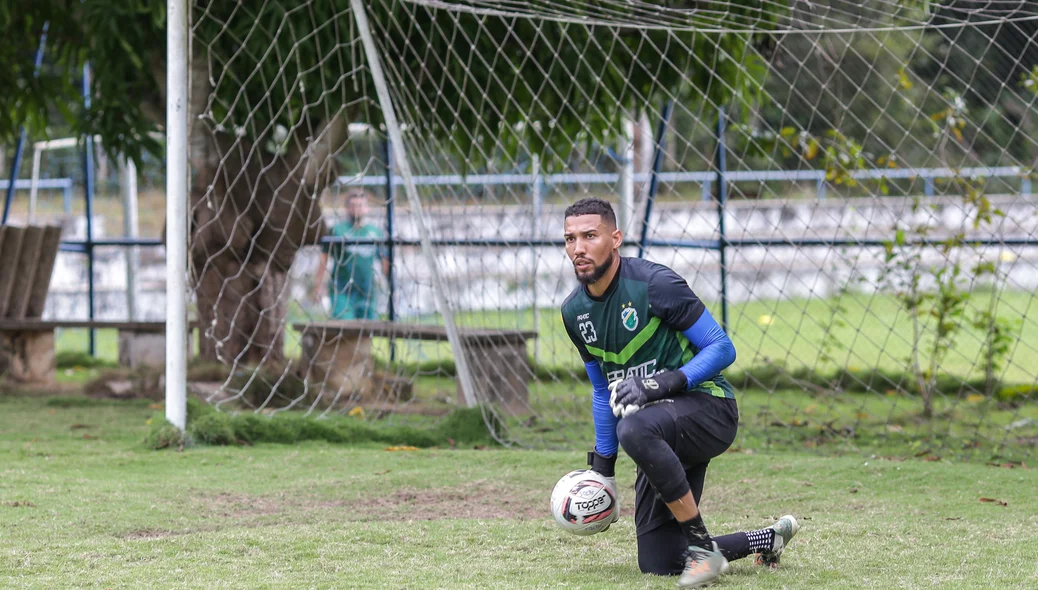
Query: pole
[[88, 196], [21, 138], [538, 205], [176, 212], [654, 182], [387, 155], [626, 150], [37, 156], [722, 199], [128, 188]]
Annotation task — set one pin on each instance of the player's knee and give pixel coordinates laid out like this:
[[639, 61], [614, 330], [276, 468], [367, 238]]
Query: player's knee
[[654, 564], [634, 435]]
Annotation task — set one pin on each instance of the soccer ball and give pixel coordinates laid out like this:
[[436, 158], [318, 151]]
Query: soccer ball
[[582, 503]]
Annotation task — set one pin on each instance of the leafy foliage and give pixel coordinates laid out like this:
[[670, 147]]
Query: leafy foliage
[[283, 66], [123, 40]]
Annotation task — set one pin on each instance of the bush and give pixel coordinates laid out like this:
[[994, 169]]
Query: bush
[[69, 359], [208, 425], [1018, 394], [213, 428], [164, 435]]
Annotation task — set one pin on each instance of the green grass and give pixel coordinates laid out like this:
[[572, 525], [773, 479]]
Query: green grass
[[862, 332], [867, 332], [84, 505]]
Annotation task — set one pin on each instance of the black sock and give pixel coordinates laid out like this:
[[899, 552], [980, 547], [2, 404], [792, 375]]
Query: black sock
[[695, 532], [762, 540]]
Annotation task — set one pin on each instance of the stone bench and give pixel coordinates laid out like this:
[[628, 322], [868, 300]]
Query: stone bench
[[29, 345], [337, 356]]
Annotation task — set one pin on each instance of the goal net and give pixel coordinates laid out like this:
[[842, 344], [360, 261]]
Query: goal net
[[377, 204]]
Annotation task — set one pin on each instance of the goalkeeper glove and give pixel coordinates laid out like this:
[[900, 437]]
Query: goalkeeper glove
[[605, 466], [632, 394]]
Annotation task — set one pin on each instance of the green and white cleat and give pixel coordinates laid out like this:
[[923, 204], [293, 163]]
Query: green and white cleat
[[785, 528], [702, 567]]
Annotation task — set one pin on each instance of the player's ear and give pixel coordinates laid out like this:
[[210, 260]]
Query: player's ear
[[618, 239]]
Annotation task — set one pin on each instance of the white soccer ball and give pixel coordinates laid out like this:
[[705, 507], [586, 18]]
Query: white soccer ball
[[582, 503]]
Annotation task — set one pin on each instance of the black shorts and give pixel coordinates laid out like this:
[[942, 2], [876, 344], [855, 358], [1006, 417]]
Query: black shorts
[[699, 427]]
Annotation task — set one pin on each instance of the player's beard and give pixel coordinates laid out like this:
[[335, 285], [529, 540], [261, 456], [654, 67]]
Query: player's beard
[[590, 278]]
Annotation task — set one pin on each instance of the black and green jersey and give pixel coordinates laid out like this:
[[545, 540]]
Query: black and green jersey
[[635, 328]]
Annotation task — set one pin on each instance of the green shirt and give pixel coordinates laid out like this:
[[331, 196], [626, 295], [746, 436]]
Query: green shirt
[[635, 328], [355, 262]]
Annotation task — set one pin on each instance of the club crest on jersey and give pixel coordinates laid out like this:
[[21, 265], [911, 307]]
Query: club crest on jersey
[[629, 316]]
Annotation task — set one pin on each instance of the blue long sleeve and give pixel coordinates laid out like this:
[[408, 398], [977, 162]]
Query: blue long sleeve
[[606, 442], [716, 351]]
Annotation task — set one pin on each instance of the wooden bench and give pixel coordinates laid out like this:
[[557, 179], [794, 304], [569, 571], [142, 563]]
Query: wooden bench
[[337, 355]]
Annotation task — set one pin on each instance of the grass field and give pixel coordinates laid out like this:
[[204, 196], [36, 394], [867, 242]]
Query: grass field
[[84, 505], [865, 332]]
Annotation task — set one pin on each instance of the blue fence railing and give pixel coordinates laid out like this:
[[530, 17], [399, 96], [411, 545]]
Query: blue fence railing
[[706, 178], [714, 186]]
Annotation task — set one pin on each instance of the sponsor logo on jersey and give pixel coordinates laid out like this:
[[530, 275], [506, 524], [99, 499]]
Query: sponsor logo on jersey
[[629, 316], [646, 369]]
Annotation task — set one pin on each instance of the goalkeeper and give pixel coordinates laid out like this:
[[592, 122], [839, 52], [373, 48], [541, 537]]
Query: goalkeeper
[[655, 355]]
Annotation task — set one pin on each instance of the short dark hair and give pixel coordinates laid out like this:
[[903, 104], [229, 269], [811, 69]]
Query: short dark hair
[[357, 193], [593, 206]]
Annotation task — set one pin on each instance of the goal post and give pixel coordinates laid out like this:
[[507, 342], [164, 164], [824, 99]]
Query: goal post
[[847, 184]]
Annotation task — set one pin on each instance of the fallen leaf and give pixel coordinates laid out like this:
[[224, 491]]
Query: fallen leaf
[[995, 501], [80, 426], [953, 518], [155, 406], [22, 504], [402, 448], [974, 398], [854, 490], [809, 484], [89, 437], [356, 411], [932, 458], [383, 472]]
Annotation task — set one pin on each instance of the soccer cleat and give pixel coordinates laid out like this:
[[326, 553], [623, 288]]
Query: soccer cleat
[[784, 528], [702, 567]]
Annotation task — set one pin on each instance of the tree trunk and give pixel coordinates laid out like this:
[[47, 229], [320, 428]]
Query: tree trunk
[[241, 313], [250, 212]]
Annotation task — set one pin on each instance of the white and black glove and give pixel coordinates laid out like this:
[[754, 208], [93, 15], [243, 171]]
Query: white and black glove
[[634, 393], [606, 467]]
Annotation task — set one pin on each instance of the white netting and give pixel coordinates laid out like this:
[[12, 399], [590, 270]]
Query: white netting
[[864, 222]]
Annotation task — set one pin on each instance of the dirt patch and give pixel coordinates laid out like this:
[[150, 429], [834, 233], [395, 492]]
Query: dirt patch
[[478, 500], [232, 505], [145, 534]]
